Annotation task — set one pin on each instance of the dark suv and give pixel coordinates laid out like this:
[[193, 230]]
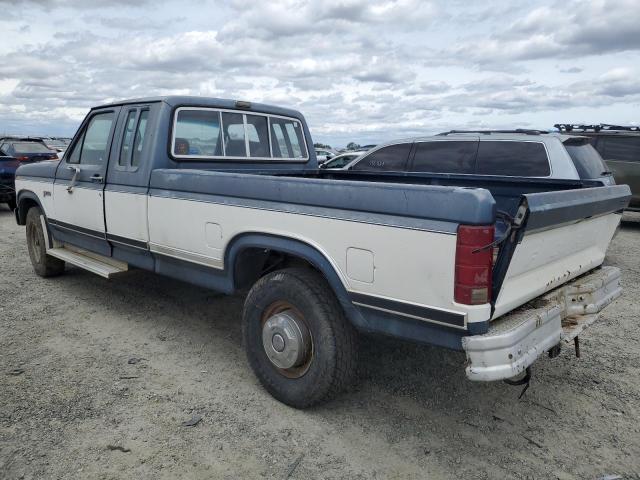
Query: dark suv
[[619, 146], [15, 151]]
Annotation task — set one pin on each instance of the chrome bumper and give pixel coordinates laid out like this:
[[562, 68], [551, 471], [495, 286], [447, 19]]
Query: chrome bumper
[[516, 340]]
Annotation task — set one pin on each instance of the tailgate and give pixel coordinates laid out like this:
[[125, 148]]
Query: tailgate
[[562, 235]]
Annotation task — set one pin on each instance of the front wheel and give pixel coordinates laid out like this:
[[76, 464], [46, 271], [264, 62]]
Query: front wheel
[[43, 264], [297, 339]]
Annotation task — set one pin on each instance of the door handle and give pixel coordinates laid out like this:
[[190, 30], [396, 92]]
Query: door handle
[[96, 178], [76, 171]]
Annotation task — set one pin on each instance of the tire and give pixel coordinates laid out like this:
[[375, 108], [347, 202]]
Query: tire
[[331, 358], [43, 264], [12, 204]]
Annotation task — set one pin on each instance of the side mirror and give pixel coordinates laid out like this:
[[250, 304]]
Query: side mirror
[[323, 165]]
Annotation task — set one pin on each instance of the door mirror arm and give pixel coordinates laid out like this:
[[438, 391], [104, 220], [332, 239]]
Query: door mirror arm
[[76, 171]]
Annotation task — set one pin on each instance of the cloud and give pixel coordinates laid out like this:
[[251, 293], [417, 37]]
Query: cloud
[[564, 30], [359, 70], [571, 70]]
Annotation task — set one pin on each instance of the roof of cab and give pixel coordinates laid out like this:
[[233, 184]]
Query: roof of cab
[[190, 101]]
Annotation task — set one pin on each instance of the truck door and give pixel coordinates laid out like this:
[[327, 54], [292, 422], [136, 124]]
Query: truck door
[[128, 179], [79, 184]]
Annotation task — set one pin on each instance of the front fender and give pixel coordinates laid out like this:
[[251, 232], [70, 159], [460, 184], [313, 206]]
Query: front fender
[[24, 200]]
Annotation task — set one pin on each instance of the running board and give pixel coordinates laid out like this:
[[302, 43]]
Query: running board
[[92, 262]]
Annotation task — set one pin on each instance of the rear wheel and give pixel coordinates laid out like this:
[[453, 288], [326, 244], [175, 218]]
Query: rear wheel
[[43, 264], [298, 341]]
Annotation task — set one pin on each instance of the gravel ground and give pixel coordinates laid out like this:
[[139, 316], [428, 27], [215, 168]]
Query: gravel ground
[[73, 406]]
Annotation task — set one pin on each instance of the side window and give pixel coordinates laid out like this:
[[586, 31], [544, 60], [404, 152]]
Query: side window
[[3, 150], [95, 145], [287, 138], [197, 133], [387, 159], [258, 133], [514, 159], [139, 138], [445, 157], [625, 149], [127, 139], [586, 159], [234, 135]]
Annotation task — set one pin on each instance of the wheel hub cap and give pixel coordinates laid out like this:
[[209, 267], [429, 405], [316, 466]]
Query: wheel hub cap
[[286, 340]]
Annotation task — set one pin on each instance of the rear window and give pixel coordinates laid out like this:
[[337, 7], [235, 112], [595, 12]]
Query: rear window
[[30, 147], [587, 160], [445, 157], [513, 159], [258, 133], [197, 133], [391, 158], [625, 149], [212, 133], [287, 139]]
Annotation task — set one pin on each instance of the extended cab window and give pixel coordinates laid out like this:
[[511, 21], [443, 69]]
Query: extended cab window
[[125, 148], [624, 149], [133, 138], [197, 133], [93, 147], [445, 157], [391, 158], [512, 158], [139, 138]]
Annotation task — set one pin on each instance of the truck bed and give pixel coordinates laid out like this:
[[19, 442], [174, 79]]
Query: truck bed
[[568, 224]]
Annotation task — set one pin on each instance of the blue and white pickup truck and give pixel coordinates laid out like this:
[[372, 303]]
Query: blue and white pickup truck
[[227, 195]]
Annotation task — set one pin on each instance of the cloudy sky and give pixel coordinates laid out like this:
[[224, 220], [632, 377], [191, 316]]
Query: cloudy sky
[[359, 70]]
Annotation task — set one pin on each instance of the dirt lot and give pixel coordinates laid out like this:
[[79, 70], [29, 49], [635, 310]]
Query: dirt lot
[[68, 392]]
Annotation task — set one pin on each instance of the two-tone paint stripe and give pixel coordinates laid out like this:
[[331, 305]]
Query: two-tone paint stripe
[[438, 316]]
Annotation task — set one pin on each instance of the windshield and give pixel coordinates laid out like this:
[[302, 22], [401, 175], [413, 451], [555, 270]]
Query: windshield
[[587, 160], [30, 147]]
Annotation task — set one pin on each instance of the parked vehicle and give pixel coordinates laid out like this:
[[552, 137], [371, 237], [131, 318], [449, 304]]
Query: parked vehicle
[[228, 195], [515, 153], [13, 152], [59, 145], [324, 154], [342, 160], [620, 148]]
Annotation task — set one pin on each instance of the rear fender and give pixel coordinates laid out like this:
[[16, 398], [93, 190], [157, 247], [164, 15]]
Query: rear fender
[[295, 248]]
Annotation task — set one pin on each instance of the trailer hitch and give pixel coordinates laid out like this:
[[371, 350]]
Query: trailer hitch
[[525, 380]]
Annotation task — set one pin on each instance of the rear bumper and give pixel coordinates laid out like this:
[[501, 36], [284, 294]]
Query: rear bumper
[[516, 340]]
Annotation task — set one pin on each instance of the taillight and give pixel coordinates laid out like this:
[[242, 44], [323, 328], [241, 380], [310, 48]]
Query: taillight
[[473, 264], [22, 159]]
